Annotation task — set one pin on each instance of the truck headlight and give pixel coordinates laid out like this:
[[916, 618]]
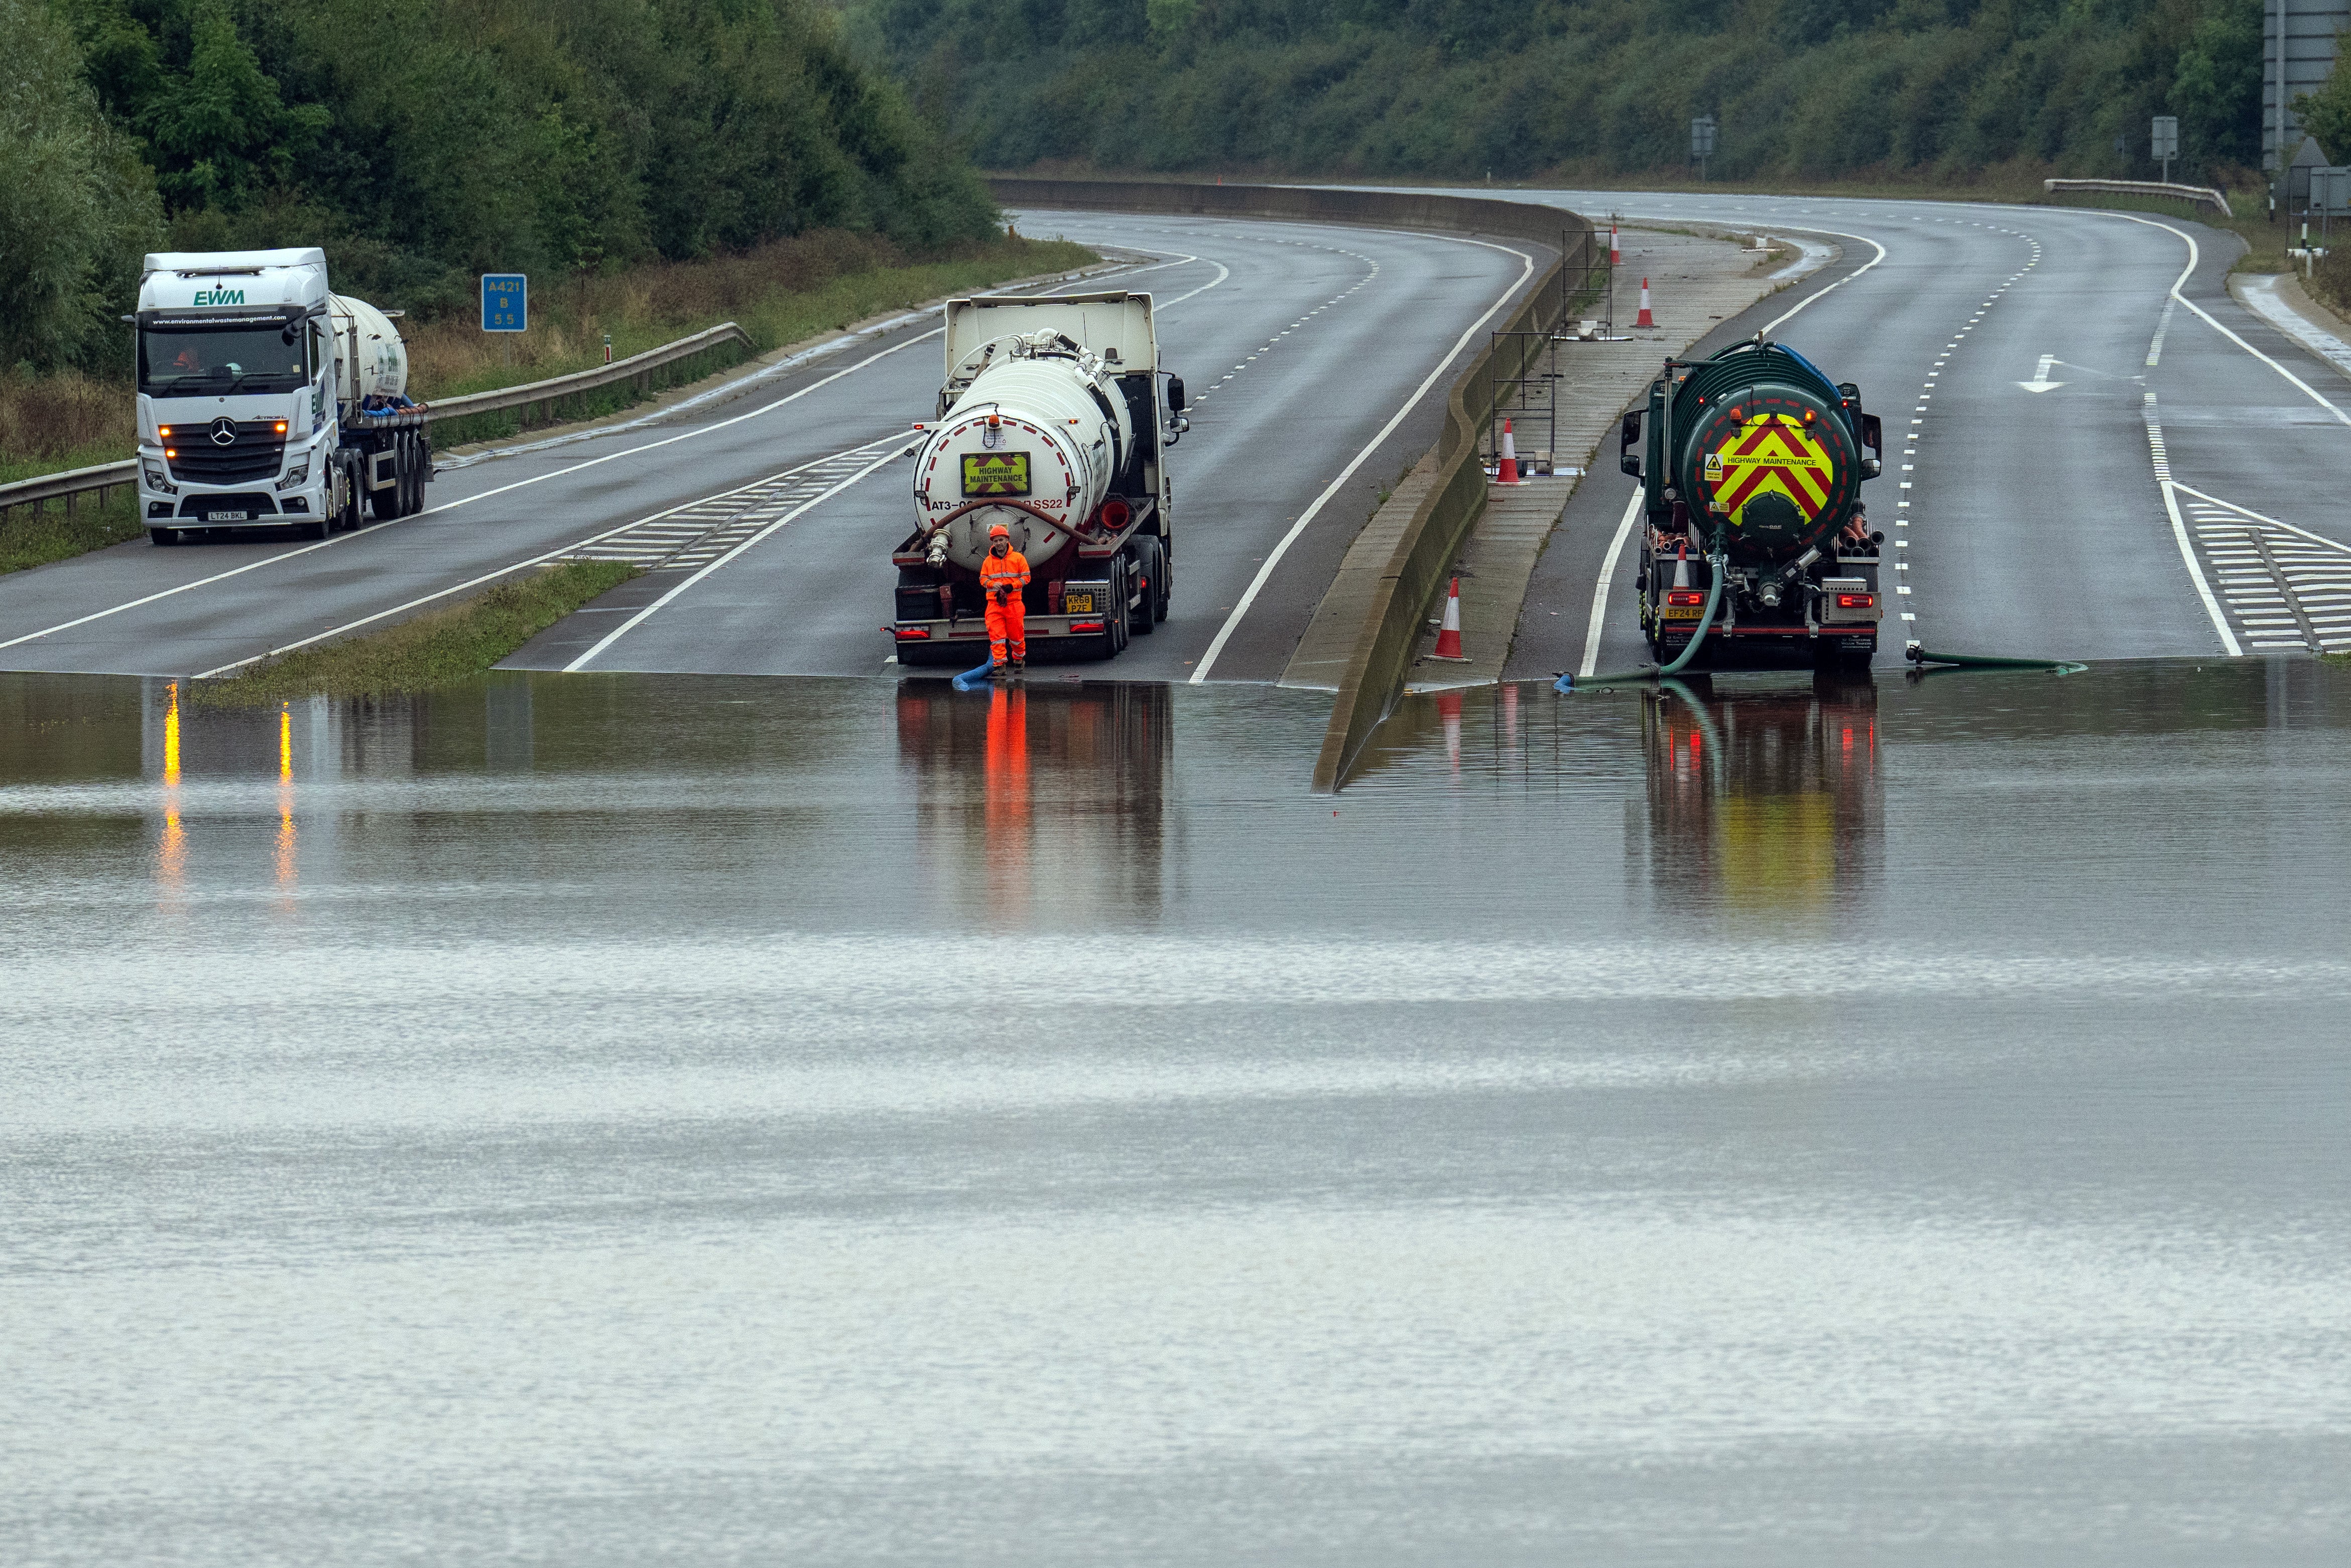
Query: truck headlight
[[155, 480], [295, 475]]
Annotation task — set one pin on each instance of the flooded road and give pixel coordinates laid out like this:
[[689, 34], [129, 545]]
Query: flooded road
[[591, 1120]]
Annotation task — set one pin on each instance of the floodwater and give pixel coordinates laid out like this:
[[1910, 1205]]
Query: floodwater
[[585, 1120]]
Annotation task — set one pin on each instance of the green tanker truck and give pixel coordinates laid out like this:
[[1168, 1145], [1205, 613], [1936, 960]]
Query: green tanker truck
[[1752, 465]]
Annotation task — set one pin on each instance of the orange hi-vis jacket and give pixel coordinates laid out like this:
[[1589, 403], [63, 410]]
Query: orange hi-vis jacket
[[1007, 622], [1009, 570]]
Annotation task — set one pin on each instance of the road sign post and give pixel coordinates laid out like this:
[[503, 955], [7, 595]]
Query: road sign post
[[1702, 134], [505, 305], [2165, 142]]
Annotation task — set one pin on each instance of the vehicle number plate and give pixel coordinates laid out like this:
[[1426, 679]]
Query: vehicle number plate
[[1078, 603], [227, 516]]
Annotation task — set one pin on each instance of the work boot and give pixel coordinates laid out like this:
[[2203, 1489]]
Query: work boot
[[1020, 665], [996, 668]]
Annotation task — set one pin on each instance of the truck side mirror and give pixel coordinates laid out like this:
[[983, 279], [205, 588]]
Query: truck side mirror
[[1176, 394], [1630, 461]]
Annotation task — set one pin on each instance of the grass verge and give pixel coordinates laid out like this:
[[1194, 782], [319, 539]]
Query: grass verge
[[442, 648], [31, 537], [780, 293], [783, 293]]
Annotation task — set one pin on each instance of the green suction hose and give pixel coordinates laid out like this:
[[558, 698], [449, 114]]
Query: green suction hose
[[1566, 685], [1921, 657]]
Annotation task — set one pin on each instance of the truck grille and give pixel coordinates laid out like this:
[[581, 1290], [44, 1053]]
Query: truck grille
[[254, 452]]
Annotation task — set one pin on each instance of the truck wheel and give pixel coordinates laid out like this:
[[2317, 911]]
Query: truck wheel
[[1151, 564], [412, 470]]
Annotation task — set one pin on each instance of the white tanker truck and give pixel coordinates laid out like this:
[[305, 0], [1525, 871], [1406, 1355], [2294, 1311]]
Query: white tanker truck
[[255, 394], [1054, 419]]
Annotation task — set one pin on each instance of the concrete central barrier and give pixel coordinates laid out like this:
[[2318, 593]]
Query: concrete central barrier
[[1423, 554]]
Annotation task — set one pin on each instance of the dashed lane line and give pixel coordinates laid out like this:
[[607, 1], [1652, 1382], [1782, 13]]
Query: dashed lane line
[[1223, 273], [1273, 558]]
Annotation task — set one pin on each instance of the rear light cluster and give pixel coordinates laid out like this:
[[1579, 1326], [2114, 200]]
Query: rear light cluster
[[913, 633], [1855, 600], [1685, 596], [1087, 626]]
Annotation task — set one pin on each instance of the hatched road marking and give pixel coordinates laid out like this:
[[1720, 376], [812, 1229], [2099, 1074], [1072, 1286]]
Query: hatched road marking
[[2287, 589], [693, 536]]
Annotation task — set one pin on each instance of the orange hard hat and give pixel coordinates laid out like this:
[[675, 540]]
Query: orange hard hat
[[998, 531]]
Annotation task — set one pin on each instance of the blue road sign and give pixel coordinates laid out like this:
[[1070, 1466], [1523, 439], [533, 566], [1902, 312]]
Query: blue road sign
[[505, 302]]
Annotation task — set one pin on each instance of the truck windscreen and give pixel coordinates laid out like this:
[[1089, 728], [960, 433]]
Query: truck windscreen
[[214, 361]]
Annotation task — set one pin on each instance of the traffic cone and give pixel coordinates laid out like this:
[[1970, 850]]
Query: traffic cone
[[1645, 318], [1681, 567], [1510, 474], [1615, 257], [1448, 635]]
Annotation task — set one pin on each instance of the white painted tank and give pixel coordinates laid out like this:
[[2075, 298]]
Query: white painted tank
[[370, 357], [1033, 440]]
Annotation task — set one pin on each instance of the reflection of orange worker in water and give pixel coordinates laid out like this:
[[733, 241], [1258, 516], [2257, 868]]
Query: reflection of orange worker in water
[[1002, 576], [1007, 847]]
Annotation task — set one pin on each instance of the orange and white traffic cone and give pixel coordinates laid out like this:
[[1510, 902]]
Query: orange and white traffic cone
[[1448, 635], [1681, 567], [1645, 318], [1510, 474], [1615, 256]]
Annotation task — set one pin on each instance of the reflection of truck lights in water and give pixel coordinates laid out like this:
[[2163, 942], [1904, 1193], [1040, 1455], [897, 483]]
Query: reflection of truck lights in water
[[286, 839], [1764, 800], [171, 854]]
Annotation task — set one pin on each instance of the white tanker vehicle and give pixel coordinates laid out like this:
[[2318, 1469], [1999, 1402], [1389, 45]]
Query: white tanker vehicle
[[1054, 419], [254, 386]]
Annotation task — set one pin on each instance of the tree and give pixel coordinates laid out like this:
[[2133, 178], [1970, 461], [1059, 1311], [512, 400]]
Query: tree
[[77, 208], [2217, 93]]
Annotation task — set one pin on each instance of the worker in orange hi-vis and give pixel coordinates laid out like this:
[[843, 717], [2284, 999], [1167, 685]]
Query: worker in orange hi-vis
[[1002, 576]]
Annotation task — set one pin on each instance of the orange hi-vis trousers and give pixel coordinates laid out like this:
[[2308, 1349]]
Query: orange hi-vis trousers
[[1008, 624]]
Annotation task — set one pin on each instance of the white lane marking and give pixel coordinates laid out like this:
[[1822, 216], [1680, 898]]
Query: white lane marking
[[1774, 325], [556, 554], [734, 387], [2179, 531], [2155, 348], [1600, 588], [167, 593], [1222, 273], [642, 616], [1232, 621], [2194, 254], [469, 500]]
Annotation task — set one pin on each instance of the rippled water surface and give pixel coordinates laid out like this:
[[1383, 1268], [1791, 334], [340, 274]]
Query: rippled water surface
[[585, 1120]]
